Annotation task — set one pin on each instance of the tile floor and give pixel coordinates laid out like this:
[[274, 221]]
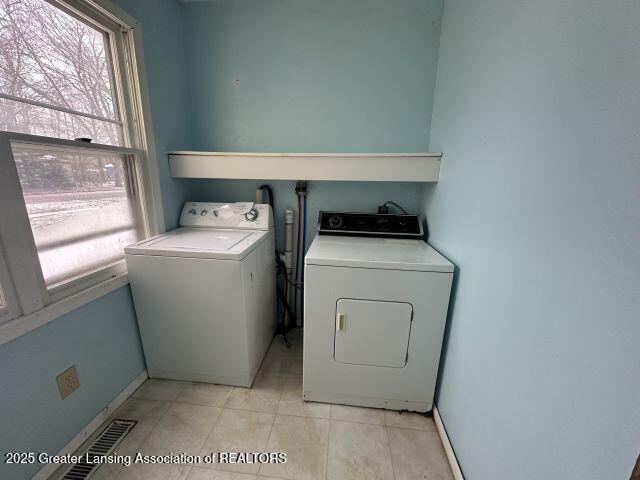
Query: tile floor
[[332, 442]]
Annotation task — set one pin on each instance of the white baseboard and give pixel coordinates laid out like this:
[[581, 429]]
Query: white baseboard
[[49, 469], [448, 449]]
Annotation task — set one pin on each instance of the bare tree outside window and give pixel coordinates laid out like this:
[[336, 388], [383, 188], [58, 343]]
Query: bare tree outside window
[[49, 58]]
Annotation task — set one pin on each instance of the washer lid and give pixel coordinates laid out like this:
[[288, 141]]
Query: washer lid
[[200, 243], [383, 253], [216, 240]]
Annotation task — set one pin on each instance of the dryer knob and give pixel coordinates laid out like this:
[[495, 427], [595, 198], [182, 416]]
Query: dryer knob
[[335, 221]]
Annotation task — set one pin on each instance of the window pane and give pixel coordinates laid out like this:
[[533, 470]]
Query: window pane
[[79, 206], [24, 118], [49, 56]]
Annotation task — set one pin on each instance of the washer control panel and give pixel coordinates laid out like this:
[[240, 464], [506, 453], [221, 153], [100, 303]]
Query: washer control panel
[[238, 215], [370, 225]]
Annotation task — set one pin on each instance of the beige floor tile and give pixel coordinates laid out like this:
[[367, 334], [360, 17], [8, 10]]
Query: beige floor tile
[[413, 420], [282, 350], [205, 394], [197, 473], [418, 454], [147, 413], [141, 410], [183, 429], [291, 402], [239, 431], [158, 389], [296, 349], [296, 336], [295, 366], [276, 361], [138, 471], [358, 451], [262, 397], [348, 413], [107, 472], [278, 345], [295, 344], [304, 440]]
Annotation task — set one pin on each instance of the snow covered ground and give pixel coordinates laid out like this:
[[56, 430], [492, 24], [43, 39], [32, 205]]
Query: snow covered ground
[[47, 208]]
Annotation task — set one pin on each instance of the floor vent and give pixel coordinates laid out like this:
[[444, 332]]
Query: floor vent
[[103, 445]]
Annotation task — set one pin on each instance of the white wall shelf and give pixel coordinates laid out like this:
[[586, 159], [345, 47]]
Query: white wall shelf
[[373, 167]]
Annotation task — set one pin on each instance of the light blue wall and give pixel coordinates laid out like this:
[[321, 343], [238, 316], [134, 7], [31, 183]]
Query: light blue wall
[[102, 340], [309, 76], [537, 109], [312, 76], [164, 54]]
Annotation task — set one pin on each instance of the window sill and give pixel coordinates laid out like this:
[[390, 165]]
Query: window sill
[[26, 323]]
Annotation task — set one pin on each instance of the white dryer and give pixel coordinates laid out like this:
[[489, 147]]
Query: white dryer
[[204, 294], [375, 312]]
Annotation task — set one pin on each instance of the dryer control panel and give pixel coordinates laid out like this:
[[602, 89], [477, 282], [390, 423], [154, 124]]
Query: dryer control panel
[[369, 225], [238, 215]]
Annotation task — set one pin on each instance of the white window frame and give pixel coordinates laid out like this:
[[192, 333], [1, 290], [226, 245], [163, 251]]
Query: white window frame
[[29, 303], [10, 309]]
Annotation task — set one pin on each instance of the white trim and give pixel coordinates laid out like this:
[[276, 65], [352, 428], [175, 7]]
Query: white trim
[[77, 441], [307, 154], [152, 192], [88, 148], [116, 13], [50, 106], [85, 281], [373, 167], [26, 323], [448, 449], [11, 306]]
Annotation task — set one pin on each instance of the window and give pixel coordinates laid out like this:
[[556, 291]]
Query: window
[[81, 208], [76, 182], [55, 74]]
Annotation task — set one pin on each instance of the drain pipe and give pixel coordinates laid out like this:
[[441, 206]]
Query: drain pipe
[[260, 196], [287, 258]]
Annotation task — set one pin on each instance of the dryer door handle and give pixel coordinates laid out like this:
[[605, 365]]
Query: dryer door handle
[[341, 320]]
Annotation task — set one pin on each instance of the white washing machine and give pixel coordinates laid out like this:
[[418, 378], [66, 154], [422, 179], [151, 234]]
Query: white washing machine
[[204, 293], [374, 312]]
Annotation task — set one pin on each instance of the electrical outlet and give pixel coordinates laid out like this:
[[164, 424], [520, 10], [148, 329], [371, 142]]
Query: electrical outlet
[[68, 382]]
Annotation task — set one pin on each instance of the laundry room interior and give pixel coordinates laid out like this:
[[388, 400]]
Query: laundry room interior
[[300, 240]]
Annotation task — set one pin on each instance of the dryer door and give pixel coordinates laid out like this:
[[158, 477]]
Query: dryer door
[[370, 332]]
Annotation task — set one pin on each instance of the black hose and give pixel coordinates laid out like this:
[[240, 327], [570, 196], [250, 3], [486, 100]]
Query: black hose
[[281, 329], [389, 202], [270, 195]]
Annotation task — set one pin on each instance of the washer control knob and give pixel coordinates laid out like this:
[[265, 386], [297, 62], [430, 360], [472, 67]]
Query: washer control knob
[[252, 215], [203, 213], [192, 211]]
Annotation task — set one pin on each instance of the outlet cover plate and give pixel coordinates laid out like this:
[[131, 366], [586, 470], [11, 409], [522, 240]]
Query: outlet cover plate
[[68, 382]]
